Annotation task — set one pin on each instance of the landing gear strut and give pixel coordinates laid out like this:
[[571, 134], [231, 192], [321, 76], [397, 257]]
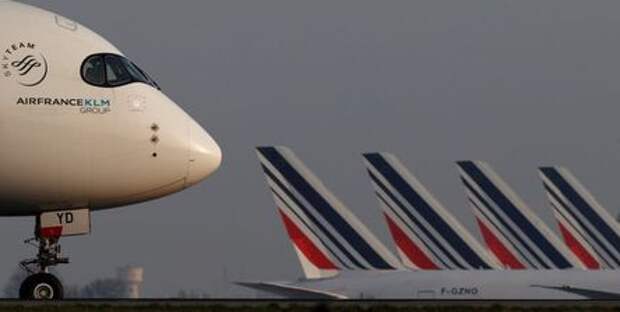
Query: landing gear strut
[[41, 285]]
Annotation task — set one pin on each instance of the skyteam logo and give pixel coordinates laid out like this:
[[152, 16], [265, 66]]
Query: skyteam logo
[[23, 62]]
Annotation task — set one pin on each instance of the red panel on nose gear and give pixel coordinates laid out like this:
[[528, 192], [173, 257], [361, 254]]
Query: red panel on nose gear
[[51, 232]]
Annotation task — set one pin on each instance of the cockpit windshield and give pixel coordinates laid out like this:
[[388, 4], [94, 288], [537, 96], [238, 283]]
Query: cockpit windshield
[[111, 70]]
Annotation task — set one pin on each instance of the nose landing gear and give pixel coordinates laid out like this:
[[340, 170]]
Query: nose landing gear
[[41, 285], [49, 228]]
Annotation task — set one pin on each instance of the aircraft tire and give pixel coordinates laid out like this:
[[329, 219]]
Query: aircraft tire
[[41, 286]]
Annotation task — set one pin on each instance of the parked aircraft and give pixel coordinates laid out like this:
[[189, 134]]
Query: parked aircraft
[[329, 241], [83, 128]]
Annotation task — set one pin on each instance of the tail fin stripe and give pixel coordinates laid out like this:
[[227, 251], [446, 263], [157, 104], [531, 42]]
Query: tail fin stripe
[[312, 218], [413, 252], [324, 208], [418, 224], [513, 213], [414, 199], [307, 247], [578, 248], [593, 236], [577, 234], [498, 247], [568, 221], [418, 228], [565, 207], [298, 217], [568, 228], [415, 220], [582, 206], [431, 250], [490, 221], [504, 224]]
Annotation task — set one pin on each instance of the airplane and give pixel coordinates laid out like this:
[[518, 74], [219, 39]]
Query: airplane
[[587, 228], [426, 234], [509, 227], [329, 240], [83, 129]]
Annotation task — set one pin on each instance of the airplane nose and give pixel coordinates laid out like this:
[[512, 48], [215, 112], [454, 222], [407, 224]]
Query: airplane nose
[[205, 156]]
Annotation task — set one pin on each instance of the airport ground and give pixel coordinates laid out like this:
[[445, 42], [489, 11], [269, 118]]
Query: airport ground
[[305, 306]]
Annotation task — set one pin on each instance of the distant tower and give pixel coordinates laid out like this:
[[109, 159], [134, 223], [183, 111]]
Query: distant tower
[[133, 277]]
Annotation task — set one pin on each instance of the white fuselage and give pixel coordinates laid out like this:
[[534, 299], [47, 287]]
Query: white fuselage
[[472, 285], [68, 144]]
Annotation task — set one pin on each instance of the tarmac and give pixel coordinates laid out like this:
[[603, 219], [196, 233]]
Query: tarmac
[[301, 305]]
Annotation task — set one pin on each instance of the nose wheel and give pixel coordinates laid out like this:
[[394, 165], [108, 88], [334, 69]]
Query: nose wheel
[[41, 286]]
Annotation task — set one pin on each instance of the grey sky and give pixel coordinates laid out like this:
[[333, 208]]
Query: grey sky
[[516, 83]]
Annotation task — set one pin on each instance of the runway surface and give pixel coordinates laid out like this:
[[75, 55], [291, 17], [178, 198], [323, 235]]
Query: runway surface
[[313, 306]]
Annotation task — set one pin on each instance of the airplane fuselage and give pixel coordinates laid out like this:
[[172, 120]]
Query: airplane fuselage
[[472, 285], [66, 143]]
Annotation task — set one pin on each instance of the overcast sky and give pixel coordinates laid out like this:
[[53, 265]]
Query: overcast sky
[[516, 83]]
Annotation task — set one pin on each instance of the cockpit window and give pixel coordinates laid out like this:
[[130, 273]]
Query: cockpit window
[[116, 72], [93, 70], [135, 72], [111, 70]]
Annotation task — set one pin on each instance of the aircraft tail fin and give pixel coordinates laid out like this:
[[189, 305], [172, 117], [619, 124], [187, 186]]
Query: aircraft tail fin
[[587, 228], [501, 210], [426, 234], [326, 235]]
